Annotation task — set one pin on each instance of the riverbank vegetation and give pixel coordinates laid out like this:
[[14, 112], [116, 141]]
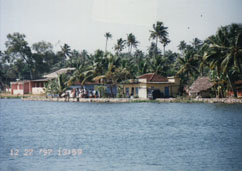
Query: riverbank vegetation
[[219, 57]]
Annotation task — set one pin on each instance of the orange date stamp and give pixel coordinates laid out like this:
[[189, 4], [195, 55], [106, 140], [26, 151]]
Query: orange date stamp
[[45, 152]]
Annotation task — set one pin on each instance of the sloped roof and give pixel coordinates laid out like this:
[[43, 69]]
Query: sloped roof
[[152, 77], [41, 80], [56, 73], [201, 84], [87, 83]]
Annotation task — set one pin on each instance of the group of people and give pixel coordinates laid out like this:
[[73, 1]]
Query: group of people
[[81, 93]]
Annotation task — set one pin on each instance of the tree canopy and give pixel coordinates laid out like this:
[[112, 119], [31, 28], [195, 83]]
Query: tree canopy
[[219, 56]]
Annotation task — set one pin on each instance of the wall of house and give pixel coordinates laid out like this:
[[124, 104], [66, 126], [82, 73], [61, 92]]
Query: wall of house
[[175, 80], [17, 89], [231, 93], [128, 90], [26, 87], [17, 92], [38, 90], [13, 87], [20, 88], [205, 94], [31, 85], [37, 87], [143, 92], [173, 88], [143, 89], [37, 84], [239, 92]]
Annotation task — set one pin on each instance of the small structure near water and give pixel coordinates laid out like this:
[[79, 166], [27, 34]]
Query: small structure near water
[[201, 87]]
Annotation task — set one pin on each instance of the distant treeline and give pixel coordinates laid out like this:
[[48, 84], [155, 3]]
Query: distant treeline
[[219, 57]]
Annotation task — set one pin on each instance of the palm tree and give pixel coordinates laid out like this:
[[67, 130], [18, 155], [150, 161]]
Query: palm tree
[[62, 84], [152, 51], [66, 50], [159, 32], [140, 64], [188, 65], [182, 46], [131, 42], [196, 43], [225, 52], [120, 45], [165, 41], [107, 36], [74, 60], [82, 74], [57, 86], [158, 65], [108, 77]]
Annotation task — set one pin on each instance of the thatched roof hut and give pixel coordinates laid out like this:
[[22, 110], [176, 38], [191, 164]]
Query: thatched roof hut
[[201, 86]]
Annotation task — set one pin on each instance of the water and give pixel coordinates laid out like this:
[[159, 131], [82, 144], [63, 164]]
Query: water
[[120, 137]]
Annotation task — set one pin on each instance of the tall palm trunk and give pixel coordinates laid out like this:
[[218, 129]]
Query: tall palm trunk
[[156, 46], [106, 44], [233, 87]]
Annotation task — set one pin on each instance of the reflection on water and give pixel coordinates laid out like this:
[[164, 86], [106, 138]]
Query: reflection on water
[[136, 136]]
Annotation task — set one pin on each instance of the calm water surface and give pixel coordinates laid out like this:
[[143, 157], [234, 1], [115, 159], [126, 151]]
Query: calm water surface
[[120, 137]]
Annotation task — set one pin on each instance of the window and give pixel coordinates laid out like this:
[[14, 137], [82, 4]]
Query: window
[[136, 90], [127, 91]]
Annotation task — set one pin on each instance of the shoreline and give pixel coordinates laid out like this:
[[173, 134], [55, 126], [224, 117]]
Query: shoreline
[[138, 100], [125, 100]]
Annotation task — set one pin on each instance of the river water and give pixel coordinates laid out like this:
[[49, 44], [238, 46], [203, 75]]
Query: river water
[[70, 136]]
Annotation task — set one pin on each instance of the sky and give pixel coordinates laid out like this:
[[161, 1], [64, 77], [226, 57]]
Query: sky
[[83, 23]]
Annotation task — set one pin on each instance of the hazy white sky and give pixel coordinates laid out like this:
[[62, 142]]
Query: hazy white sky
[[82, 23]]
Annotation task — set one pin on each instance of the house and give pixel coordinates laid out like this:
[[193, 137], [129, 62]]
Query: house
[[238, 85], [28, 87], [201, 87], [35, 86], [143, 85]]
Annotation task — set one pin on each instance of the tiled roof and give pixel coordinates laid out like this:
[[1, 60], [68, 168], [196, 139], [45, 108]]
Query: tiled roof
[[201, 84], [152, 77]]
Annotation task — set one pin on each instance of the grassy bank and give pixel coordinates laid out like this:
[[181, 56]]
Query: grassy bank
[[11, 96]]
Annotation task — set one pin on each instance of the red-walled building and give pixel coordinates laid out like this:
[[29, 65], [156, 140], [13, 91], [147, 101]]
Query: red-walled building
[[238, 85], [36, 86], [28, 87]]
